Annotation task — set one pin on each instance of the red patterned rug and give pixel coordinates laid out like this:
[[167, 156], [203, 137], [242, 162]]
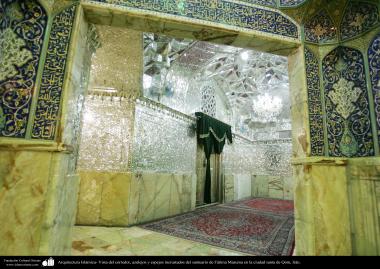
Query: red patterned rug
[[275, 206], [234, 226]]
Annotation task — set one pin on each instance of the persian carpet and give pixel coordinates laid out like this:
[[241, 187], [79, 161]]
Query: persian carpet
[[251, 226], [276, 206]]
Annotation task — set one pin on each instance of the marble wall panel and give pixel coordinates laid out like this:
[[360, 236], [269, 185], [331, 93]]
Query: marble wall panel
[[322, 210], [242, 186], [364, 179], [175, 195], [228, 188], [275, 187], [89, 200], [61, 206], [303, 211], [103, 198], [158, 195], [288, 188], [163, 195], [115, 200], [24, 178]]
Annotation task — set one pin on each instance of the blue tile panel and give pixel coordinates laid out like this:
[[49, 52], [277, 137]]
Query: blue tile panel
[[224, 12], [315, 104], [374, 68], [22, 31], [49, 97], [347, 107], [358, 18], [320, 29]]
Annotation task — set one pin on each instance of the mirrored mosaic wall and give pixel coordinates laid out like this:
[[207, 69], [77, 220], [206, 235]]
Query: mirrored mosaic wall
[[270, 157], [106, 134], [164, 140], [247, 89]]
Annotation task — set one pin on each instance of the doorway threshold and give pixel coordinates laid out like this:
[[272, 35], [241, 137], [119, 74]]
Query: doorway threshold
[[207, 205]]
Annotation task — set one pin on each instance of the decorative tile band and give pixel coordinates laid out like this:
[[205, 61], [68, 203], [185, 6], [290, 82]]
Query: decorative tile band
[[320, 29], [49, 98], [347, 105], [291, 3], [359, 17], [374, 68], [221, 11], [269, 3], [22, 31], [315, 104]]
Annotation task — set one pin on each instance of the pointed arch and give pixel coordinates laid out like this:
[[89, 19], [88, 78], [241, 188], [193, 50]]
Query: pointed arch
[[320, 28], [358, 18]]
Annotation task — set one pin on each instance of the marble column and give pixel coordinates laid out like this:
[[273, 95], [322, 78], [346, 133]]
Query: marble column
[[38, 180]]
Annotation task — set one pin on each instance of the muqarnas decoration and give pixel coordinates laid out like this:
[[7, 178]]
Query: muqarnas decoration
[[320, 28], [358, 18], [374, 68], [22, 31], [315, 104], [49, 97], [347, 107]]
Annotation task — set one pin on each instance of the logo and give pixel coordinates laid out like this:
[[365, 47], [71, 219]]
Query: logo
[[48, 262]]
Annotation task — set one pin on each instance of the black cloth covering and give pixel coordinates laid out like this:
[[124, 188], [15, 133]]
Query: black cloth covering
[[212, 134]]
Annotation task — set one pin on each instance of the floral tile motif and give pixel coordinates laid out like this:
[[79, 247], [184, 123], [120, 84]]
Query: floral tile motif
[[347, 106], [315, 104], [359, 17], [291, 3], [320, 29], [49, 98], [22, 31], [221, 11], [374, 68]]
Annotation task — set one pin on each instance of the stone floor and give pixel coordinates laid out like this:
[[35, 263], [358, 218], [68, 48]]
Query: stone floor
[[134, 241]]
